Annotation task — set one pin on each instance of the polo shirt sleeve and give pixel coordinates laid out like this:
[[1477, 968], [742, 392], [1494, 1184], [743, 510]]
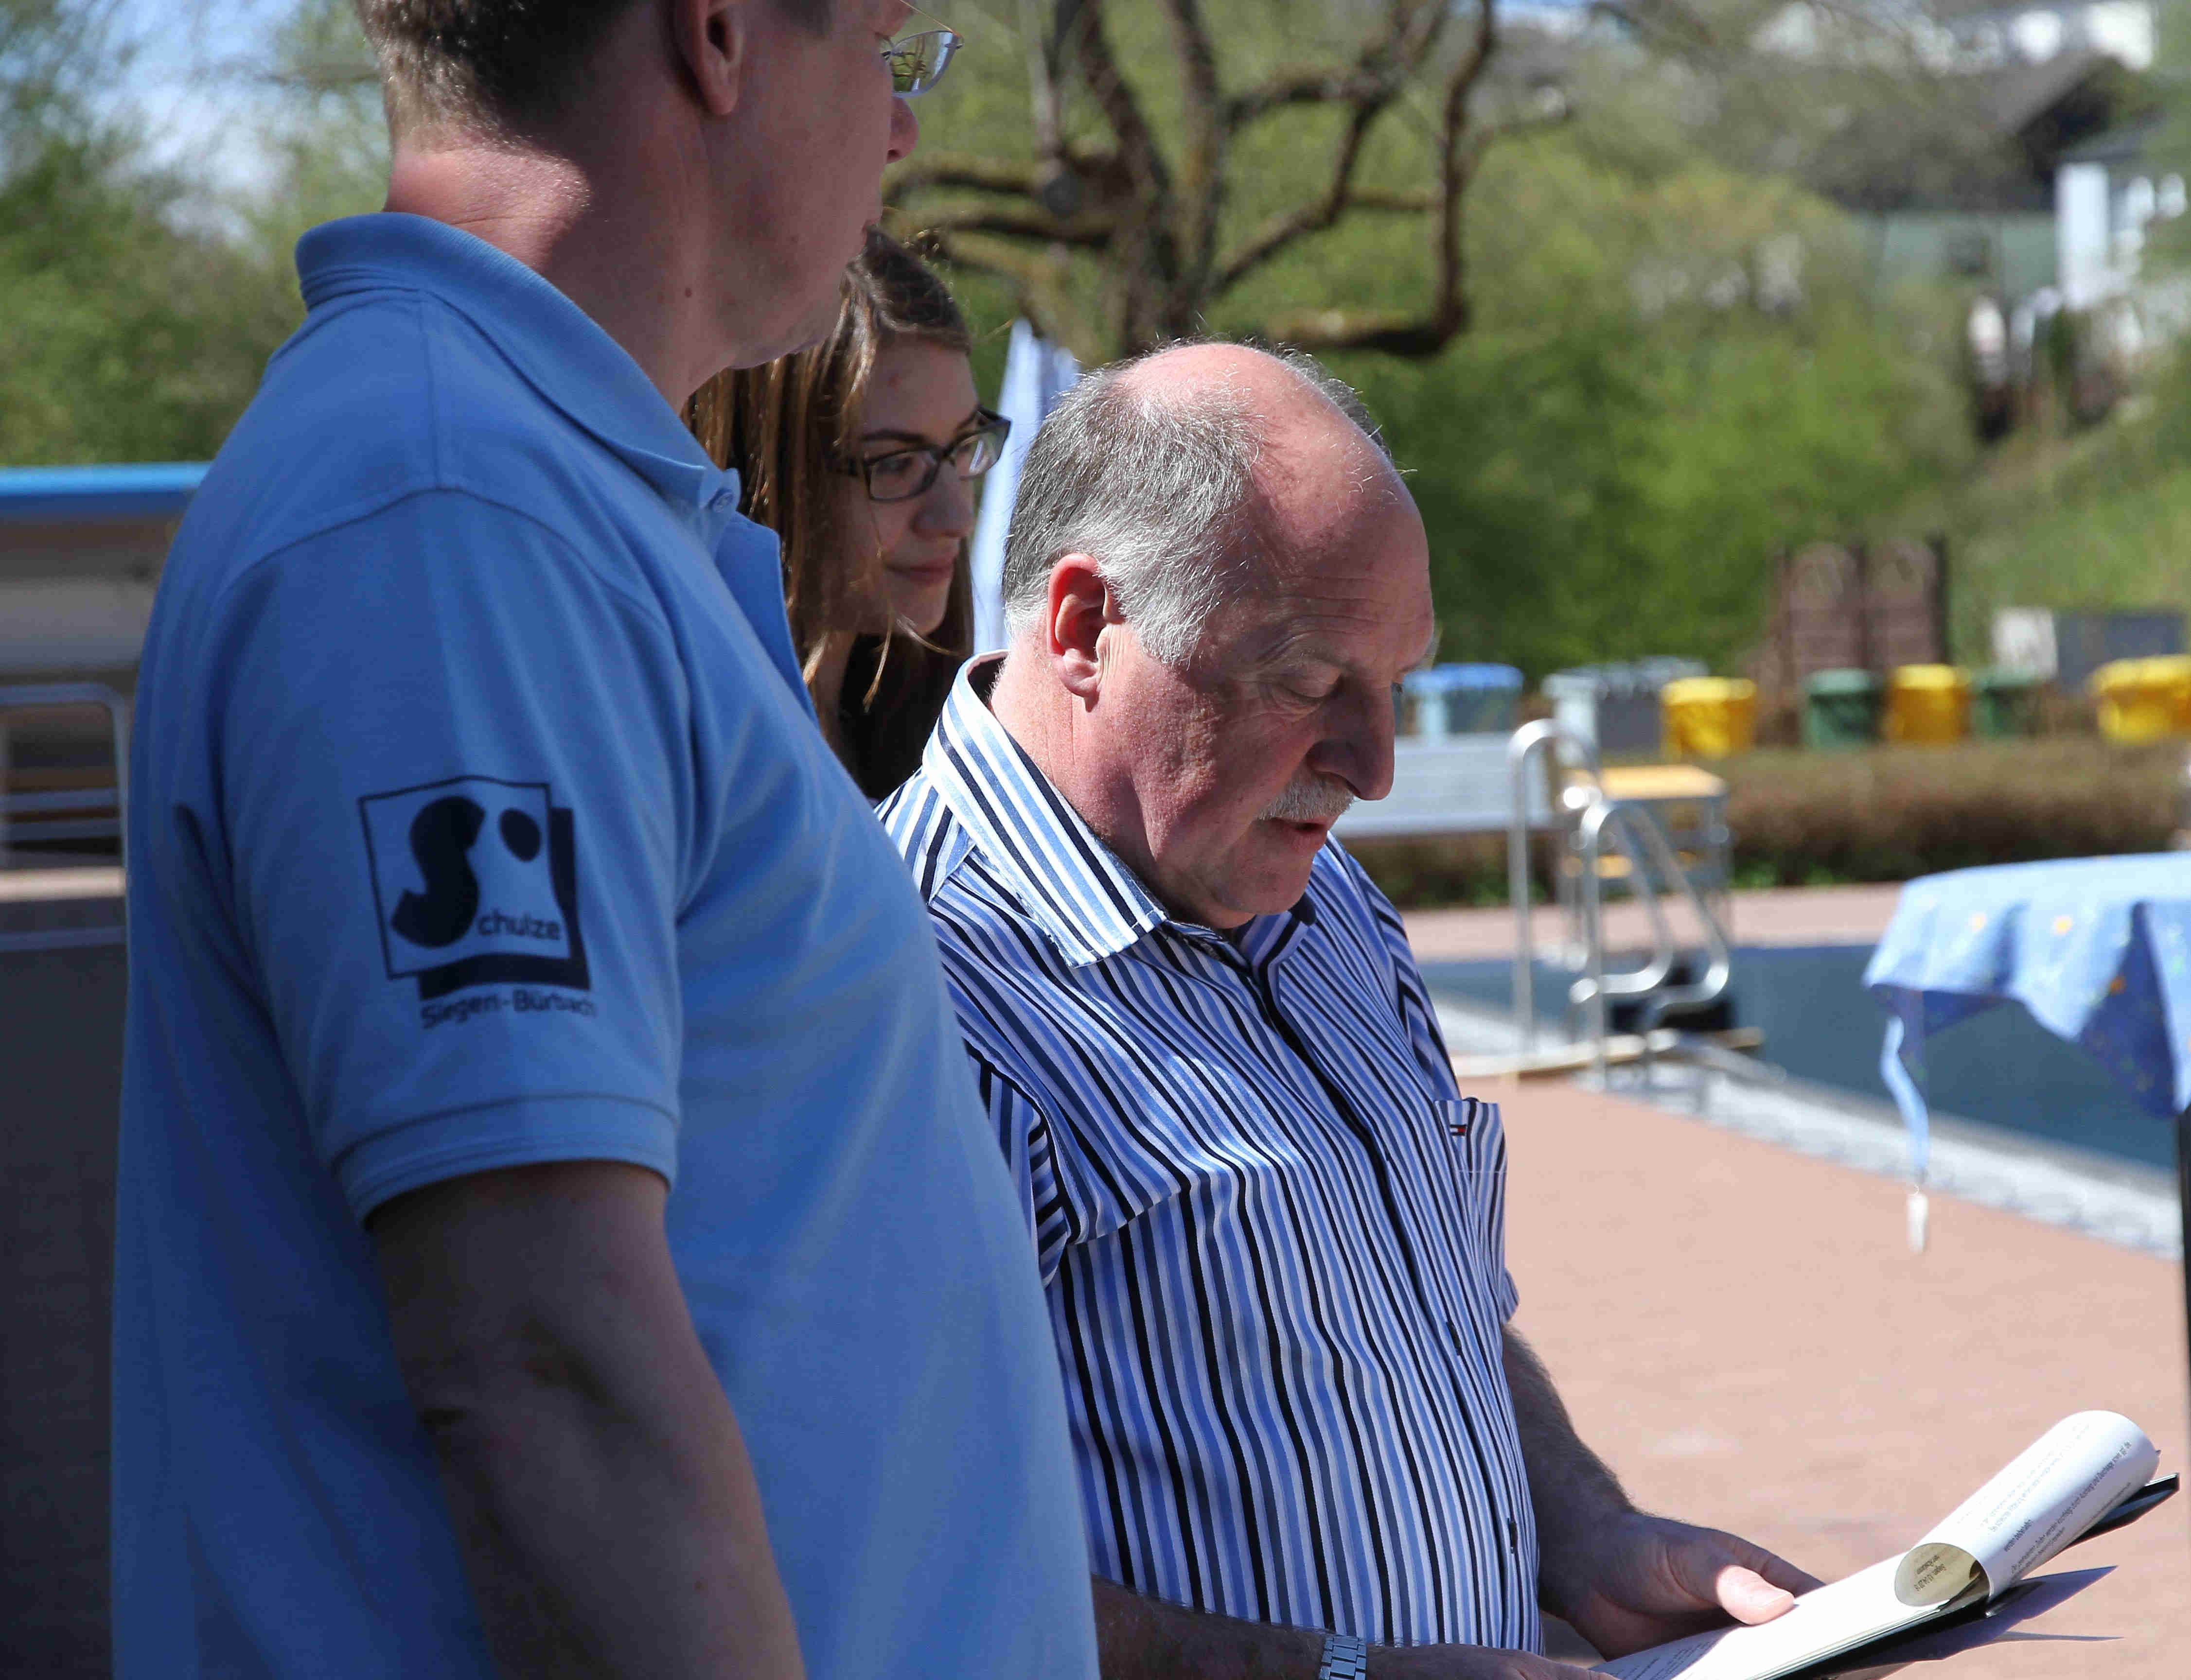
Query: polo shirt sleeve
[[454, 784]]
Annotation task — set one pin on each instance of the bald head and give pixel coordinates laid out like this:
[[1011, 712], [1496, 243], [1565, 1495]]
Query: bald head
[[1216, 580], [1187, 475]]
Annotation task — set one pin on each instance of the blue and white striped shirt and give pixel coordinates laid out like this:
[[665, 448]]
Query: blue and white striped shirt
[[1269, 1225]]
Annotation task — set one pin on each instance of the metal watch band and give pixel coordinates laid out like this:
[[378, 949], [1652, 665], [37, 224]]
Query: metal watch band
[[1344, 1658]]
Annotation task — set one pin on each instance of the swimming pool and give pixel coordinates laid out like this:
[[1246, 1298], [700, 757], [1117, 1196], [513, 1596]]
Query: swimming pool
[[2002, 1069]]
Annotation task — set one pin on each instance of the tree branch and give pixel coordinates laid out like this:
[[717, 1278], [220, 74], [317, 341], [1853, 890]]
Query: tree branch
[[1288, 227], [1323, 331], [962, 170], [1009, 221], [1137, 144], [1447, 318], [1045, 53], [1036, 285], [1412, 29], [1669, 22], [1201, 174], [1514, 128], [1449, 315]]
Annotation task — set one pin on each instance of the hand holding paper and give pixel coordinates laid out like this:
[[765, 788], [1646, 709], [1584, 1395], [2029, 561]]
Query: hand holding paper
[[1650, 1578], [2048, 1497]]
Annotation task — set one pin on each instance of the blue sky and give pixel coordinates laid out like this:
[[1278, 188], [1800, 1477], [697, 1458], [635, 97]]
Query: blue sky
[[187, 81]]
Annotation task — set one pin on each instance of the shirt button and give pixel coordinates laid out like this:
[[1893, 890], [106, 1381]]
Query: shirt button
[[724, 501]]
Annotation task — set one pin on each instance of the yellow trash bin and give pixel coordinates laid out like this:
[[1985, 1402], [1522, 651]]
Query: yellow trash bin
[[1708, 716], [1928, 704], [2144, 699]]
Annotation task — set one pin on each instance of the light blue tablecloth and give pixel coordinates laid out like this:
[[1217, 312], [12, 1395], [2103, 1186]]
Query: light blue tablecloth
[[2097, 948]]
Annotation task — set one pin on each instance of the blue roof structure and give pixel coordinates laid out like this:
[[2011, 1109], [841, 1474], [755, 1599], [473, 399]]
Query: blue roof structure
[[1461, 679], [97, 495]]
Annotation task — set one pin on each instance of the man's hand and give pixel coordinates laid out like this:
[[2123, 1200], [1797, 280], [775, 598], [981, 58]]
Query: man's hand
[[1639, 1581]]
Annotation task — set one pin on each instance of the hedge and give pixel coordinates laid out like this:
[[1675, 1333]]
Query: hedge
[[1816, 819]]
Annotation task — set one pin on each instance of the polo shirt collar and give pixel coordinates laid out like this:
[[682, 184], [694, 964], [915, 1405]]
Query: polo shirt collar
[[558, 349], [1081, 893]]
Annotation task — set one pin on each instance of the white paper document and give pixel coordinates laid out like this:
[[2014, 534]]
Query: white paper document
[[2073, 1475]]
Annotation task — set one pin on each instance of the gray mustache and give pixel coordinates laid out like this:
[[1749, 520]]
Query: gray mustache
[[1310, 799]]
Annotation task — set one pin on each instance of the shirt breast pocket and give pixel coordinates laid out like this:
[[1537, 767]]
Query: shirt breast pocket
[[1476, 1146]]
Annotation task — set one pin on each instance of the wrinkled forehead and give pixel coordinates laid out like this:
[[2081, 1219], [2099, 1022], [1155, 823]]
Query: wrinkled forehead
[[1346, 576]]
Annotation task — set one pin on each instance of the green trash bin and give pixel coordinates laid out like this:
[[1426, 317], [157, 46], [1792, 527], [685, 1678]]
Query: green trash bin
[[1840, 709], [2004, 704]]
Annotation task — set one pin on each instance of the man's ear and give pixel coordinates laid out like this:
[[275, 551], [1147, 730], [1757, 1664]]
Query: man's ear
[[1081, 607], [713, 39]]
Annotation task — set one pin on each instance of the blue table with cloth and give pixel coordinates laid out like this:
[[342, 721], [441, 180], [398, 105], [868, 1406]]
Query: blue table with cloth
[[2098, 949]]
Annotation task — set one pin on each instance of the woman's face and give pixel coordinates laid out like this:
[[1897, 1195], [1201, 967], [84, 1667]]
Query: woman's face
[[919, 395]]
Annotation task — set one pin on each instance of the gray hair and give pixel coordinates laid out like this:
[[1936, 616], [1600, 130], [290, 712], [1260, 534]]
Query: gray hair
[[1159, 492]]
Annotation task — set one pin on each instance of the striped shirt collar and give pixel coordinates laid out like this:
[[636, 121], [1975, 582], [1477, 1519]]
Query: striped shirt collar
[[1080, 892]]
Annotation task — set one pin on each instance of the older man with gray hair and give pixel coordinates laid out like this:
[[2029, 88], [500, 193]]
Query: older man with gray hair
[[1268, 1223]]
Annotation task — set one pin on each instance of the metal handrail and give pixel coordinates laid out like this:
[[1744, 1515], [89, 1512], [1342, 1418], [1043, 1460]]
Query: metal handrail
[[1597, 814], [61, 799], [1638, 832], [39, 696], [34, 696], [1635, 824], [1530, 742]]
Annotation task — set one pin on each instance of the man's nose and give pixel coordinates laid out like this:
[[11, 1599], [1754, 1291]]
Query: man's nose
[[904, 131], [1359, 750]]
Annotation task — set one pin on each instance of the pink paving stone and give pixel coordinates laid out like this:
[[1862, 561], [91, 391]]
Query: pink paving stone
[[1742, 1334], [1794, 916]]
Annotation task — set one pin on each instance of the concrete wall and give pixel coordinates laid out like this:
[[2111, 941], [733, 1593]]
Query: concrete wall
[[61, 1058]]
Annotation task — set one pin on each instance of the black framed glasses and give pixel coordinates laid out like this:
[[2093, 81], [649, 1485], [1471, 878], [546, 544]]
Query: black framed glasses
[[904, 473], [917, 62]]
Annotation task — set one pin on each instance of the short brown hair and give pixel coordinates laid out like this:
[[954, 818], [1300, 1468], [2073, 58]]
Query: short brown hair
[[506, 67], [786, 426]]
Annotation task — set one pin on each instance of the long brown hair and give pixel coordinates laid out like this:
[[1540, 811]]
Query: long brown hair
[[786, 426]]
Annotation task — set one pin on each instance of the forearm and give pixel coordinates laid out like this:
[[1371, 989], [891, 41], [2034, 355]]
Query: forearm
[[612, 1528], [1571, 1491], [1140, 1639], [598, 1483]]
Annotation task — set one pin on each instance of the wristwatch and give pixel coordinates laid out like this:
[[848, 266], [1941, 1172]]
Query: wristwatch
[[1344, 1658]]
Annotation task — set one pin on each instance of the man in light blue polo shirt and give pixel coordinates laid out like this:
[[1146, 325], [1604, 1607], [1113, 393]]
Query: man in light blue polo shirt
[[557, 1230]]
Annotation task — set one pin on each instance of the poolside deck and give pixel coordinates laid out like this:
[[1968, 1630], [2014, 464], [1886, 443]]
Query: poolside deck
[[1792, 915], [1743, 1334]]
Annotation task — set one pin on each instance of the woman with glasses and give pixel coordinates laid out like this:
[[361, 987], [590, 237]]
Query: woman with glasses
[[861, 453]]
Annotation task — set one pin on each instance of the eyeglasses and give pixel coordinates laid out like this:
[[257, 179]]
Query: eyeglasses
[[904, 473], [918, 62]]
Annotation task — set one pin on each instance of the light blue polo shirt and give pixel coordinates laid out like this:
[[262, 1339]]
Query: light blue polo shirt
[[479, 817]]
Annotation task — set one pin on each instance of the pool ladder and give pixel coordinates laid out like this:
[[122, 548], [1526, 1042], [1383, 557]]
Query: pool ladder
[[1584, 817]]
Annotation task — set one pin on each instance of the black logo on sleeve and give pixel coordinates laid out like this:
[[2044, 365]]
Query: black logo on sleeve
[[475, 882]]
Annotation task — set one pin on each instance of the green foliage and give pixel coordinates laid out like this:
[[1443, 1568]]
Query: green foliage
[[1677, 370], [122, 337], [2076, 520], [137, 311], [1887, 814], [1609, 465]]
